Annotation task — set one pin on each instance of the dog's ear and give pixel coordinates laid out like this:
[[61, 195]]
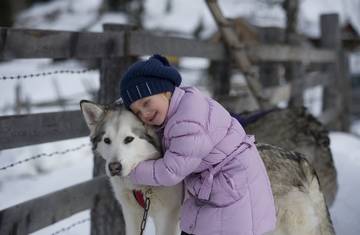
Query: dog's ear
[[92, 113]]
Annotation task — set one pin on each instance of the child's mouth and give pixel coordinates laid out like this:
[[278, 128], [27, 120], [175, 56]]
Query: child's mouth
[[153, 117]]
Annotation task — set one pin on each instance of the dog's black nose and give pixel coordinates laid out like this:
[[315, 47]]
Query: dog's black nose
[[115, 168]]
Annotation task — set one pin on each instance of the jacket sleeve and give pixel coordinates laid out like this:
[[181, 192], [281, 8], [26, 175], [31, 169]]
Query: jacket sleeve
[[189, 144]]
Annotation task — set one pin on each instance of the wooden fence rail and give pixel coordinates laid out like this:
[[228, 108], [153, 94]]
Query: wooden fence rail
[[30, 43], [21, 130], [32, 215]]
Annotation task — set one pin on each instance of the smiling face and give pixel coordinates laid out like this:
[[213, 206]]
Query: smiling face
[[152, 110]]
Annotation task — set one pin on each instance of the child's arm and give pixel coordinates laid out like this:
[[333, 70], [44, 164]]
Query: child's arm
[[189, 144]]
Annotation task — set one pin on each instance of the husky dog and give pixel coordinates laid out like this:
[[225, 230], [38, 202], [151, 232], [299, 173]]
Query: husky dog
[[297, 130], [123, 141]]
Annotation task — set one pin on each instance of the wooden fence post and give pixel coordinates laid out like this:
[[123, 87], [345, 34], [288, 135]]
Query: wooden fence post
[[294, 71], [346, 91], [219, 76], [106, 216], [336, 98], [270, 72]]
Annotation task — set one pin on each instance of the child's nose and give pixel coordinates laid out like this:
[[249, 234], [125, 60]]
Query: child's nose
[[147, 114]]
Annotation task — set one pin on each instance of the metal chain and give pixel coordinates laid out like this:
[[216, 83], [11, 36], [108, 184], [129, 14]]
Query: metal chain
[[71, 226], [48, 73], [43, 155], [146, 210]]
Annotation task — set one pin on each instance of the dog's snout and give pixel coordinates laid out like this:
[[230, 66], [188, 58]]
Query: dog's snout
[[115, 168]]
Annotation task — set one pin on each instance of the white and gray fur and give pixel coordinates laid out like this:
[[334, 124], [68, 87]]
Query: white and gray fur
[[295, 129], [121, 139]]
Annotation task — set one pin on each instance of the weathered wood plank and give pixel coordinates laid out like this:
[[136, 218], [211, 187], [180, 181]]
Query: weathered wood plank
[[143, 43], [33, 43], [43, 211], [336, 94], [279, 53], [22, 130], [355, 108], [356, 95]]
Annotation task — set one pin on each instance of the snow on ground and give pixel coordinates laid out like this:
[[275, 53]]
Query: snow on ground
[[346, 209]]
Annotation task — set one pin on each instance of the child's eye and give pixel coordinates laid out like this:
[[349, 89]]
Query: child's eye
[[146, 103]]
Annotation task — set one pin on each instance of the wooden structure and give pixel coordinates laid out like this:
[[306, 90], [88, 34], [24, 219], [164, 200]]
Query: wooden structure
[[115, 46]]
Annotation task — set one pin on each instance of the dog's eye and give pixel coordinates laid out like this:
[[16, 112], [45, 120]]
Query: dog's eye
[[128, 139], [107, 141]]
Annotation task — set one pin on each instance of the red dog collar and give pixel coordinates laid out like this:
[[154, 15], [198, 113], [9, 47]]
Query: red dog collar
[[139, 197]]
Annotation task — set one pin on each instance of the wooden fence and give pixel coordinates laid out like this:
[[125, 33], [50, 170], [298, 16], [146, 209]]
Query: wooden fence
[[355, 107], [116, 46]]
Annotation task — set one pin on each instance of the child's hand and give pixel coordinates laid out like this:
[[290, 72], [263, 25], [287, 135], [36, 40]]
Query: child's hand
[[132, 176]]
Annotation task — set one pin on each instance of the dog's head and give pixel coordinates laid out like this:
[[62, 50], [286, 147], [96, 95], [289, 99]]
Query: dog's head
[[119, 137]]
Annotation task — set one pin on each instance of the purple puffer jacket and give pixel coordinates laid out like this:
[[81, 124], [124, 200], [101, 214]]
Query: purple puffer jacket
[[229, 190]]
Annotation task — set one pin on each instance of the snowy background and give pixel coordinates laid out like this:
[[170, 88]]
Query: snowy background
[[49, 174]]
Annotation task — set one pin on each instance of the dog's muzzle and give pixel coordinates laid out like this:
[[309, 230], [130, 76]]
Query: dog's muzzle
[[115, 168]]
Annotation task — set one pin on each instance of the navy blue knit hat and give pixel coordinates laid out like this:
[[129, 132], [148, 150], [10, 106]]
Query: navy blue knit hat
[[147, 78]]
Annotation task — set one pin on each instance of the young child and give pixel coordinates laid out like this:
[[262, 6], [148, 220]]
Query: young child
[[226, 181]]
